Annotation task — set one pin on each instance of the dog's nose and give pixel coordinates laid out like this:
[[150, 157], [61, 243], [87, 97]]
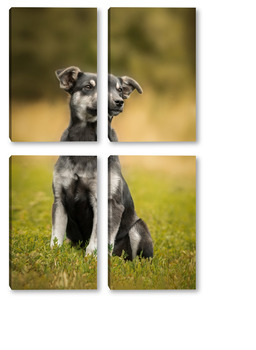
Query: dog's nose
[[119, 103]]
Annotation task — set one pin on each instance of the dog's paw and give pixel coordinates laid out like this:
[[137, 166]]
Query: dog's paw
[[110, 249], [90, 250], [54, 242]]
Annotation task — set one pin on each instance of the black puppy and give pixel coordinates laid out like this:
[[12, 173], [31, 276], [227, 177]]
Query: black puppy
[[127, 232], [74, 210]]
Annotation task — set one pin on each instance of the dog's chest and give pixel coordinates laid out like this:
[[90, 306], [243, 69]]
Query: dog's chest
[[83, 132], [82, 168]]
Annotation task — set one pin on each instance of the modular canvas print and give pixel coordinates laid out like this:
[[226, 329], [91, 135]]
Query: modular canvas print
[[152, 222], [151, 199], [152, 74]]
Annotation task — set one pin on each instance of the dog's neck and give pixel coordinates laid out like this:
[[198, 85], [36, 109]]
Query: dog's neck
[[80, 130], [111, 132]]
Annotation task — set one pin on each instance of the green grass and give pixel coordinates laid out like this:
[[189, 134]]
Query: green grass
[[168, 206], [167, 203], [33, 265]]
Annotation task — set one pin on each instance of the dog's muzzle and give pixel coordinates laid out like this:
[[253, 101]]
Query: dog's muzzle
[[92, 111], [115, 108], [114, 112]]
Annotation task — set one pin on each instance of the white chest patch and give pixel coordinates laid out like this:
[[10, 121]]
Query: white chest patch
[[63, 179], [66, 176]]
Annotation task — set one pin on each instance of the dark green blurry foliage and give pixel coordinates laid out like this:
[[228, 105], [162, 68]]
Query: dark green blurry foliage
[[156, 46], [45, 39]]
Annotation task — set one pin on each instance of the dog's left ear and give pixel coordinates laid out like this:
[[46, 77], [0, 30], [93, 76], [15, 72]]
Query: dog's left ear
[[67, 77], [129, 85]]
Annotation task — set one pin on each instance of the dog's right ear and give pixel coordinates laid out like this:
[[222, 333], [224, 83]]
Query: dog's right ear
[[129, 85], [67, 77]]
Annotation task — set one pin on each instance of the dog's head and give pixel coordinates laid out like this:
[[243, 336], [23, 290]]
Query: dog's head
[[82, 88], [119, 89]]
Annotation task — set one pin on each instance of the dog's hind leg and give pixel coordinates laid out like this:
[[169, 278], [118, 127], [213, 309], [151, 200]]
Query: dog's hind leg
[[140, 240], [59, 222]]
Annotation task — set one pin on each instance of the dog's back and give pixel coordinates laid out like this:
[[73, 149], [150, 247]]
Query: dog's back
[[133, 236]]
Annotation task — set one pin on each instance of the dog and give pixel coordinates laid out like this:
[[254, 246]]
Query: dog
[[74, 211], [127, 232]]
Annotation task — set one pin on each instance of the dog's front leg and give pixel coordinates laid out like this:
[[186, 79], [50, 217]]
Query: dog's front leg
[[115, 212], [92, 246], [59, 223]]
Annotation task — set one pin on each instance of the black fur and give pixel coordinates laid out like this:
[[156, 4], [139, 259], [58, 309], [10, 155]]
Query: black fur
[[79, 210]]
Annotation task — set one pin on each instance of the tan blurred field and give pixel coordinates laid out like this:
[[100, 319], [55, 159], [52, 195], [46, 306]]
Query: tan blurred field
[[147, 119], [40, 121], [143, 119]]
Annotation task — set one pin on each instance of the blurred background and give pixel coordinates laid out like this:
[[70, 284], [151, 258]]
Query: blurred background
[[156, 47], [43, 40]]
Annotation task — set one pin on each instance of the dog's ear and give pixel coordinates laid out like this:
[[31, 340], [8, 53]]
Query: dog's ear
[[67, 77], [129, 85]]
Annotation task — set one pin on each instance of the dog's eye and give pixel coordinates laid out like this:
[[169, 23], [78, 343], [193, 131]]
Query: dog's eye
[[120, 90], [87, 87]]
